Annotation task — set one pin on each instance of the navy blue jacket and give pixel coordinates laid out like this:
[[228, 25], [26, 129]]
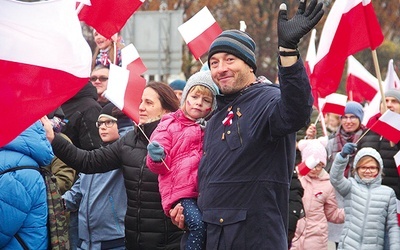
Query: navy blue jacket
[[245, 172]]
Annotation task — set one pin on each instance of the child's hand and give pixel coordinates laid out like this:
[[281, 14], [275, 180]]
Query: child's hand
[[156, 151], [348, 149]]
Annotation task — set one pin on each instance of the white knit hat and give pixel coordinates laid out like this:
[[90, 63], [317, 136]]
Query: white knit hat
[[315, 148]]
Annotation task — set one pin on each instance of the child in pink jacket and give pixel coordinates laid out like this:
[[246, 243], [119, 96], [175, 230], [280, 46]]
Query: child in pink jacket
[[319, 199], [176, 149]]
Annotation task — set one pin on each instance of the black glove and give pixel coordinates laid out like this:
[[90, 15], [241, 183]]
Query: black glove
[[348, 149], [291, 31]]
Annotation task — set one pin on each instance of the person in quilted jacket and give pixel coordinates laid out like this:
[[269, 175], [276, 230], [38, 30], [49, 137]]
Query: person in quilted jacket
[[175, 151], [370, 207]]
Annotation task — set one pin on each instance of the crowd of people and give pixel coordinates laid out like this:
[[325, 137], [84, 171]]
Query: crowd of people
[[211, 163]]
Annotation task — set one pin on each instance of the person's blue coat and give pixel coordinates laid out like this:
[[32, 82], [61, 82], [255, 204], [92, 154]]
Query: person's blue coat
[[23, 205]]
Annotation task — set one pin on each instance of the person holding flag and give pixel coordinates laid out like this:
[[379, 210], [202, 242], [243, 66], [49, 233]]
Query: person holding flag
[[146, 225], [370, 207], [386, 149], [249, 143], [319, 198]]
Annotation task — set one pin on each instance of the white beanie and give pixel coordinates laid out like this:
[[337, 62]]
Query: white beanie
[[315, 148]]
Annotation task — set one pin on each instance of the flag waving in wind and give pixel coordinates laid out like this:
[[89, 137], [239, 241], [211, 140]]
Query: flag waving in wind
[[199, 32], [44, 60], [108, 16], [388, 126], [361, 85], [351, 26]]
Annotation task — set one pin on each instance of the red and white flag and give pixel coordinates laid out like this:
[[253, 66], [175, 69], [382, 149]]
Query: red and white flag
[[335, 103], [44, 58], [199, 32], [392, 81], [305, 167], [125, 90], [107, 16], [388, 126], [361, 85], [351, 26], [131, 60]]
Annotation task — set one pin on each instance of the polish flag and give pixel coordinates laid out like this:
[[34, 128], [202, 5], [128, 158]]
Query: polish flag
[[351, 26], [335, 103], [125, 90], [392, 81], [44, 58], [388, 126], [306, 166], [107, 16], [361, 85], [199, 32], [132, 61]]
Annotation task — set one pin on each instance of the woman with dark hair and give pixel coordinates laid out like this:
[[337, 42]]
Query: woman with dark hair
[[146, 225]]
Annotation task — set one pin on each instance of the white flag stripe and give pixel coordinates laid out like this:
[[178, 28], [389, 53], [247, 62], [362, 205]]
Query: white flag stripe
[[392, 80], [117, 83], [129, 54], [357, 69], [336, 98], [28, 38], [311, 162], [391, 118], [196, 25], [397, 159], [332, 22], [311, 51]]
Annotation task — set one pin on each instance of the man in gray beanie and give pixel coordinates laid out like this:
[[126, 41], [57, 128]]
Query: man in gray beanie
[[249, 143]]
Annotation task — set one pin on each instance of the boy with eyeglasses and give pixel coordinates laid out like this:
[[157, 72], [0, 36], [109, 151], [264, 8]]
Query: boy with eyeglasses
[[100, 198], [370, 207]]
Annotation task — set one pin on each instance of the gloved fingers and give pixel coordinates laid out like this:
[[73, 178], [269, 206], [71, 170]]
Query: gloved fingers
[[318, 15], [315, 11], [302, 7], [282, 15], [310, 8]]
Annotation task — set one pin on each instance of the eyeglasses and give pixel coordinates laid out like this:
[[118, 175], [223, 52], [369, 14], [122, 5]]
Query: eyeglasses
[[351, 118], [371, 169], [108, 123], [101, 78]]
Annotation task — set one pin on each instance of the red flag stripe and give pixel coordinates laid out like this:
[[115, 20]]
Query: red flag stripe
[[33, 84], [350, 27], [109, 16], [388, 126], [199, 45]]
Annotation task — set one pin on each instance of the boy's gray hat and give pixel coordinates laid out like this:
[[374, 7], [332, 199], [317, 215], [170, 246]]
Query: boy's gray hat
[[202, 78]]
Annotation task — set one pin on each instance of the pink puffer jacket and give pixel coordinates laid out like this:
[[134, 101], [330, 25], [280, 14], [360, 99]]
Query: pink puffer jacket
[[182, 140], [320, 206]]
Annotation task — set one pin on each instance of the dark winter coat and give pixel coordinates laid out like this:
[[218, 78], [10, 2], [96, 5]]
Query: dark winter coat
[[82, 112], [146, 225], [246, 169]]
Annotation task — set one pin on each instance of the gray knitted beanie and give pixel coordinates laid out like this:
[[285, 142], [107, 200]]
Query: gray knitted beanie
[[202, 78]]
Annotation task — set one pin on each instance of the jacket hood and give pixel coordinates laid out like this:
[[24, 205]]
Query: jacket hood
[[367, 151]]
